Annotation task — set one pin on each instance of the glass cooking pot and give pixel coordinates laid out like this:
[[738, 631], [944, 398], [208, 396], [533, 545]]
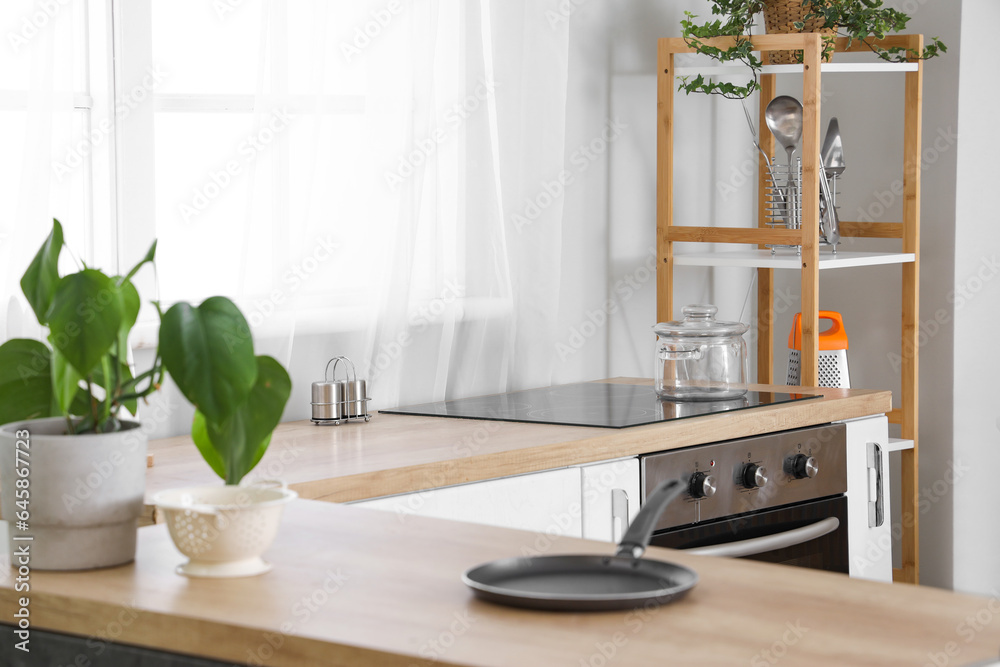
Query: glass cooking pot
[[700, 358]]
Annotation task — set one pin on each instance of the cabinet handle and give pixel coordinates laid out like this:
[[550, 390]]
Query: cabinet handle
[[619, 514], [876, 506]]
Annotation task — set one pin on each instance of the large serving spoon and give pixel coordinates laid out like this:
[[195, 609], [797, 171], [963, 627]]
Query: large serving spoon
[[784, 118]]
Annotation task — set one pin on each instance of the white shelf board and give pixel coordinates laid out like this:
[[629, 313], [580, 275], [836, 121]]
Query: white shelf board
[[825, 68], [898, 445], [786, 258]]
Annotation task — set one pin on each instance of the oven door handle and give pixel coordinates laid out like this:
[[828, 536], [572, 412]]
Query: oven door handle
[[759, 545]]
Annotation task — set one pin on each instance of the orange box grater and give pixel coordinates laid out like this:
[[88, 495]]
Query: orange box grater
[[833, 371]]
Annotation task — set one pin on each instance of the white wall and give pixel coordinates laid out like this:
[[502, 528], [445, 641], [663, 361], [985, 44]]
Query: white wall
[[977, 263], [711, 142]]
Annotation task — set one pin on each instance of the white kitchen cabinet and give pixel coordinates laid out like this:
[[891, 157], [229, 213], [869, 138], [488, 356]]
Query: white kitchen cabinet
[[869, 531], [544, 502], [610, 498]]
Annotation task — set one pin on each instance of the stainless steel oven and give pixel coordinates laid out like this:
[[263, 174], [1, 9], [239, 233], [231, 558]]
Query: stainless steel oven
[[778, 498]]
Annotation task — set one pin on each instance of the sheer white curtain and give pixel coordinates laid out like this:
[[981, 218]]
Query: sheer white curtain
[[375, 178], [405, 213], [46, 167], [491, 326]]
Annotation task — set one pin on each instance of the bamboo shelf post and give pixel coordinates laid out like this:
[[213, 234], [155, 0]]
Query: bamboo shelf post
[[808, 236]]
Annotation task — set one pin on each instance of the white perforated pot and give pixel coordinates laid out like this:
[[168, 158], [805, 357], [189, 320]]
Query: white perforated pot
[[223, 530], [79, 496]]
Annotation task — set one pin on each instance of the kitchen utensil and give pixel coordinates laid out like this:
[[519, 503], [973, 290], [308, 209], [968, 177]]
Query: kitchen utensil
[[784, 118], [590, 582], [832, 153], [783, 188], [700, 358], [223, 530], [833, 344], [335, 401], [767, 159], [830, 221], [833, 164]]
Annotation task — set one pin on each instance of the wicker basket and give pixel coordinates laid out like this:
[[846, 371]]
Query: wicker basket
[[780, 17]]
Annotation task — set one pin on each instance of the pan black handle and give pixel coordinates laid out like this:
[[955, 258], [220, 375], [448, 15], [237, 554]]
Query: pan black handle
[[639, 533]]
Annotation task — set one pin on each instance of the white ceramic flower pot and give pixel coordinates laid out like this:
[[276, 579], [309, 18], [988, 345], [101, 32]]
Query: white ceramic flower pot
[[223, 530], [84, 493]]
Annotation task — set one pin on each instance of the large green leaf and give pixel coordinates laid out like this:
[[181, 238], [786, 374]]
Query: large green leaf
[[65, 382], [130, 304], [84, 318], [199, 433], [39, 281], [130, 313], [25, 380], [208, 351], [241, 440]]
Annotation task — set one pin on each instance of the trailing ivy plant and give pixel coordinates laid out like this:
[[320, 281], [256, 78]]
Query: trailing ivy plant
[[857, 20], [83, 374], [738, 19]]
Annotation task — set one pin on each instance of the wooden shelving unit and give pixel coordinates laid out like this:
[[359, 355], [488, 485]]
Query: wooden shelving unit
[[811, 261]]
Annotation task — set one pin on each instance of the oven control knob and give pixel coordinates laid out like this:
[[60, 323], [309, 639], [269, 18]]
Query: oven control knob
[[804, 466], [754, 476], [702, 485]]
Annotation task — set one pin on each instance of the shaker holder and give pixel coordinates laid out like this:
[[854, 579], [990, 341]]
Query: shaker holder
[[349, 397]]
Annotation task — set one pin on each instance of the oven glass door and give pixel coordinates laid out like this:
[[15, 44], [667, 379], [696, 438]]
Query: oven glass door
[[812, 535]]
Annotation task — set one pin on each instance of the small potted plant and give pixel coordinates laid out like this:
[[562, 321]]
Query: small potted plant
[[857, 20], [72, 463]]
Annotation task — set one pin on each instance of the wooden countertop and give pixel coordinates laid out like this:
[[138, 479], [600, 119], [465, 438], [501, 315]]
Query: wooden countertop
[[399, 454], [354, 586]]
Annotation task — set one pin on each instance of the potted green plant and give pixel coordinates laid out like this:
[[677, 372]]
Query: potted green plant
[[857, 20], [72, 463]]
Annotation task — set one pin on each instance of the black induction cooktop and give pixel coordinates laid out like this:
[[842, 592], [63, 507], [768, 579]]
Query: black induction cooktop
[[590, 404]]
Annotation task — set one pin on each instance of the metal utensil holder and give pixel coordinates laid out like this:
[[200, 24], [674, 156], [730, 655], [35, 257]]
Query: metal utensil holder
[[784, 200], [337, 401]]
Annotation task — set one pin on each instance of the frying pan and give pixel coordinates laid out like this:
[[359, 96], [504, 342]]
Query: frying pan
[[587, 582]]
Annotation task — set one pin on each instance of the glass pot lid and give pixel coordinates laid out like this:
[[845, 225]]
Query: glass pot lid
[[699, 322]]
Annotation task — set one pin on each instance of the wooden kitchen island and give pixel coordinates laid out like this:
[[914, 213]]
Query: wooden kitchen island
[[400, 454], [356, 586], [353, 586]]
